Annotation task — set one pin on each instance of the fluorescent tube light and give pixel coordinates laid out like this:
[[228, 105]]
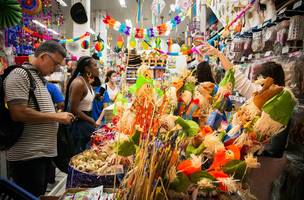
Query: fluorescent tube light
[[39, 23], [122, 3], [62, 2], [92, 31], [54, 32]]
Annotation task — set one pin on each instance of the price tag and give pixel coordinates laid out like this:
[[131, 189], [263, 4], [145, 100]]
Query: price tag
[[243, 59], [297, 4], [250, 56], [268, 53], [282, 11], [285, 50]]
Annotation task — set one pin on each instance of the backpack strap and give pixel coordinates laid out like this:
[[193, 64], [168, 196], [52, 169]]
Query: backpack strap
[[31, 79], [32, 87]]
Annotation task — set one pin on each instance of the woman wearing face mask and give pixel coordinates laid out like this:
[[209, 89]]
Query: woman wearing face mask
[[79, 99], [111, 86]]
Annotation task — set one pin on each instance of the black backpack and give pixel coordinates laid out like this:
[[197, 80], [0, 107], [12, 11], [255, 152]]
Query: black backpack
[[10, 131]]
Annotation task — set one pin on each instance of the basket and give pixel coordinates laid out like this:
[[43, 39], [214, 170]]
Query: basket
[[78, 179], [9, 190]]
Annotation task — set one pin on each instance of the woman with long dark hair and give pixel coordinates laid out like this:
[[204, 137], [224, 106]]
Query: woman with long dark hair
[[79, 101], [204, 73]]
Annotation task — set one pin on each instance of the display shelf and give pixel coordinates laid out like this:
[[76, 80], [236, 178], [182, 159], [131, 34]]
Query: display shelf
[[131, 79], [132, 68], [158, 67]]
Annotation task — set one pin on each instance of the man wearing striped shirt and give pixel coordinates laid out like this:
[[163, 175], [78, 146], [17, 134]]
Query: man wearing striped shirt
[[30, 157]]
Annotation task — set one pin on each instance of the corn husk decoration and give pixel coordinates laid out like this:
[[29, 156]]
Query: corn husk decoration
[[276, 114], [222, 101]]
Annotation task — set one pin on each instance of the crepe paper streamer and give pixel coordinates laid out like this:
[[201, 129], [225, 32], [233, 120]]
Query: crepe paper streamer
[[138, 12], [36, 34], [31, 7], [10, 14], [85, 44], [157, 7], [74, 39]]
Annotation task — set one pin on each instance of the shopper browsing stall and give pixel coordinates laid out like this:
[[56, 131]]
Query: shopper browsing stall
[[79, 100], [30, 157], [111, 85], [100, 102]]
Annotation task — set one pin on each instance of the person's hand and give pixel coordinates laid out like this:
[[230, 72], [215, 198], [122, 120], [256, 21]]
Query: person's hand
[[98, 123], [209, 50], [65, 117]]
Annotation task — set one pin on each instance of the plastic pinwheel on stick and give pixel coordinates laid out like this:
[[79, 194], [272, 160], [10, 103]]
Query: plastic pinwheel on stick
[[10, 14]]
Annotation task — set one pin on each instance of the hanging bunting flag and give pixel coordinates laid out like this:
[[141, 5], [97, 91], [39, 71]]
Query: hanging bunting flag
[[150, 32], [211, 40]]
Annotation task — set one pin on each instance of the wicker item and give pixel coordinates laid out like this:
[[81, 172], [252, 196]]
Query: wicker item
[[296, 30]]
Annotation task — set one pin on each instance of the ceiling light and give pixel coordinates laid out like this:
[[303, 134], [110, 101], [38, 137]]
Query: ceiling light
[[39, 23], [128, 22], [122, 3], [54, 32], [62, 2], [92, 31]]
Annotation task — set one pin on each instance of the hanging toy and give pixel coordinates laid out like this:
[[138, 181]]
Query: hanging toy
[[157, 43], [85, 44], [99, 46], [120, 42], [132, 43], [139, 33], [31, 7], [144, 44]]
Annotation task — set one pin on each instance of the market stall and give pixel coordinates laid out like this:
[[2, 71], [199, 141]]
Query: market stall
[[166, 135]]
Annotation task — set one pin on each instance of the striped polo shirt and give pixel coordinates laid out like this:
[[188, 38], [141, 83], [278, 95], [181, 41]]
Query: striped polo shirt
[[38, 139]]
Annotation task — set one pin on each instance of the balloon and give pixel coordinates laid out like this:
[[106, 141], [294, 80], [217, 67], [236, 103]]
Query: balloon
[[184, 5], [176, 48], [99, 46], [99, 54], [85, 44]]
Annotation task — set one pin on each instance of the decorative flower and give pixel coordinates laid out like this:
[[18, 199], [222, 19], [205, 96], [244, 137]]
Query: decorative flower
[[228, 184]]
